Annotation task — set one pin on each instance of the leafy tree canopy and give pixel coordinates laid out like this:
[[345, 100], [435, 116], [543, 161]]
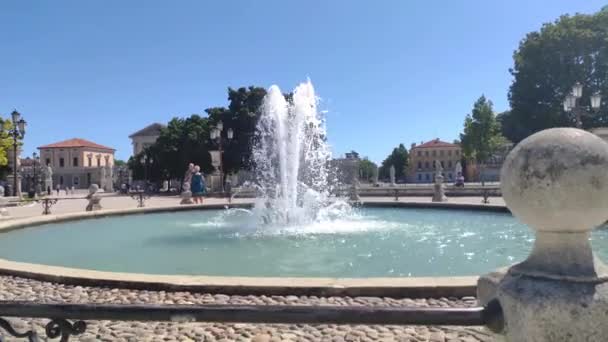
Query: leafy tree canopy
[[398, 158], [546, 65], [481, 136]]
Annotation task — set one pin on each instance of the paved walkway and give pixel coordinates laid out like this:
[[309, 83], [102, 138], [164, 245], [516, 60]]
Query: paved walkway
[[77, 203]]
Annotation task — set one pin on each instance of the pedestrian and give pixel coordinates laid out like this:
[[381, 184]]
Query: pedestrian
[[67, 190], [197, 185], [48, 190], [58, 187], [228, 190]]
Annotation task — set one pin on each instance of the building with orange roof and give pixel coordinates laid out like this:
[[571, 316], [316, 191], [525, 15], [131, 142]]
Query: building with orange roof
[[423, 161], [79, 163]]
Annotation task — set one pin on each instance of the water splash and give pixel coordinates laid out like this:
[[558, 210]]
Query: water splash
[[291, 158]]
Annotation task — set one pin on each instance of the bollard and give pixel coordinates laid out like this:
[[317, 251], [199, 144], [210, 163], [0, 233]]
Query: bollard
[[556, 182]]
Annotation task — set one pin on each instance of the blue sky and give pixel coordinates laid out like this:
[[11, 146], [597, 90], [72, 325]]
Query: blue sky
[[388, 72]]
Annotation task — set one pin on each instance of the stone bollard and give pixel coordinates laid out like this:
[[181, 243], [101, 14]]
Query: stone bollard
[[94, 198], [556, 182]]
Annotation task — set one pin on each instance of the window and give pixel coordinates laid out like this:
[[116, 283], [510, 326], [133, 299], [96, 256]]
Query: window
[[48, 161], [98, 160], [427, 177], [420, 165], [75, 161], [60, 180], [426, 165], [419, 153], [426, 153], [449, 163], [457, 152], [434, 164], [61, 162], [434, 153], [419, 176], [90, 161], [449, 152]]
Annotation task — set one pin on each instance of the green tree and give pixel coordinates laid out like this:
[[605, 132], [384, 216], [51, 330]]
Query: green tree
[[367, 169], [547, 64], [399, 159], [119, 162], [181, 142], [242, 116], [481, 136]]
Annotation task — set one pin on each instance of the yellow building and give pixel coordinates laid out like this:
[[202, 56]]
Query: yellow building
[[79, 163], [423, 159]]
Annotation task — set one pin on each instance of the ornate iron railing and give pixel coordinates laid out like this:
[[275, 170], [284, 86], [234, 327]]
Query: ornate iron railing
[[59, 326]]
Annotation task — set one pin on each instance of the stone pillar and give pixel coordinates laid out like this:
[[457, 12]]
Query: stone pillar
[[556, 182]]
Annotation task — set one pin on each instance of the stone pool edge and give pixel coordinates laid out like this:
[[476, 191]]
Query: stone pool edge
[[410, 287]]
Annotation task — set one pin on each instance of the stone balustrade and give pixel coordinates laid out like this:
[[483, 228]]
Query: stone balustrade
[[556, 181]]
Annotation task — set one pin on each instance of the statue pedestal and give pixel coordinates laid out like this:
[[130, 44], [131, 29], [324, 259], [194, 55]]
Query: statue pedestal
[[187, 197]]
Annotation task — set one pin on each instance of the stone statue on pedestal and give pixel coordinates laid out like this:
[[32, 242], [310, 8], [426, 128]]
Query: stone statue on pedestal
[[102, 178], [3, 212], [109, 182], [94, 198], [186, 192], [392, 174], [438, 187]]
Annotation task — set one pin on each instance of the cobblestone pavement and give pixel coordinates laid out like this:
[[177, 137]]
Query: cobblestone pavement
[[12, 288]]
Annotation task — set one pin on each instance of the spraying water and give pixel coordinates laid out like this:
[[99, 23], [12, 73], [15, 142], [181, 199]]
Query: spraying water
[[291, 156]]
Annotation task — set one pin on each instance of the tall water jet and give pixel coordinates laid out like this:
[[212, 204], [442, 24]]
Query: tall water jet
[[291, 158]]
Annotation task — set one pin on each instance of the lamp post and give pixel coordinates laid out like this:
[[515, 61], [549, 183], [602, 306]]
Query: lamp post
[[17, 132], [36, 160], [216, 134], [145, 161], [571, 103]]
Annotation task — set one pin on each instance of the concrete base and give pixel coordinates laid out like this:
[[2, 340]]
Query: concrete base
[[544, 310], [187, 198]]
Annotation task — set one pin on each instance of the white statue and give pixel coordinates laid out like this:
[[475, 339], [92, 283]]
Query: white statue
[[102, 177], [109, 182], [48, 179], [3, 201], [438, 187], [186, 192], [392, 174], [94, 198]]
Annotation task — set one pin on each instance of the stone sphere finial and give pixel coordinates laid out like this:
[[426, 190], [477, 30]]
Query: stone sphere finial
[[557, 180]]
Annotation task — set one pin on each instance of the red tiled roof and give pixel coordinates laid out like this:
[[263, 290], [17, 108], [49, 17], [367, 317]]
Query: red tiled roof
[[436, 143], [76, 142]]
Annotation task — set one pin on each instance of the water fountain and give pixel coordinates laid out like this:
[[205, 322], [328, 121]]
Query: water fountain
[[291, 157]]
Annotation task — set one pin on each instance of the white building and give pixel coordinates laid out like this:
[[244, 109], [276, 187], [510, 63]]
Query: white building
[[145, 137]]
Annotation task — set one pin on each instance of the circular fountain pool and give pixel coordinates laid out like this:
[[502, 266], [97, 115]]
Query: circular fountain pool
[[369, 242]]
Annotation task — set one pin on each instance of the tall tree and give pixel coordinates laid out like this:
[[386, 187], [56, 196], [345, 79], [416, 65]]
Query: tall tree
[[242, 116], [367, 169], [547, 64], [399, 159], [481, 136]]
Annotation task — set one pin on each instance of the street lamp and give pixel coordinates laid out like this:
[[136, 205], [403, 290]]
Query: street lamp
[[216, 134], [571, 103], [145, 161], [36, 160], [17, 132]]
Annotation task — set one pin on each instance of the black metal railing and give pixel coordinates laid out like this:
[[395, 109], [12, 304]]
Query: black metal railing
[[59, 326]]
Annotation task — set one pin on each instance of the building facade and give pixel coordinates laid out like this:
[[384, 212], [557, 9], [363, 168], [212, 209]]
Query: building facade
[[423, 161], [79, 163], [145, 137]]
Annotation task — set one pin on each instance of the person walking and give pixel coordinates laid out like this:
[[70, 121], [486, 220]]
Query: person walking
[[197, 185]]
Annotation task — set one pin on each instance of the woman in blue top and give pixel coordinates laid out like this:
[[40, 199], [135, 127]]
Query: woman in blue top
[[197, 185]]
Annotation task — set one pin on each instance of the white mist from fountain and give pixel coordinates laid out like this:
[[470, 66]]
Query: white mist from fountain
[[291, 158]]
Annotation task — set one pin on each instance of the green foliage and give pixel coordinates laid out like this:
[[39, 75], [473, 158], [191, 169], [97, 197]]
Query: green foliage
[[119, 162], [367, 169], [482, 135], [547, 64], [6, 140], [399, 159]]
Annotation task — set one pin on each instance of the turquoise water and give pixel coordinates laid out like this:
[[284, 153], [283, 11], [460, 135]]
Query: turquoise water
[[371, 242]]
